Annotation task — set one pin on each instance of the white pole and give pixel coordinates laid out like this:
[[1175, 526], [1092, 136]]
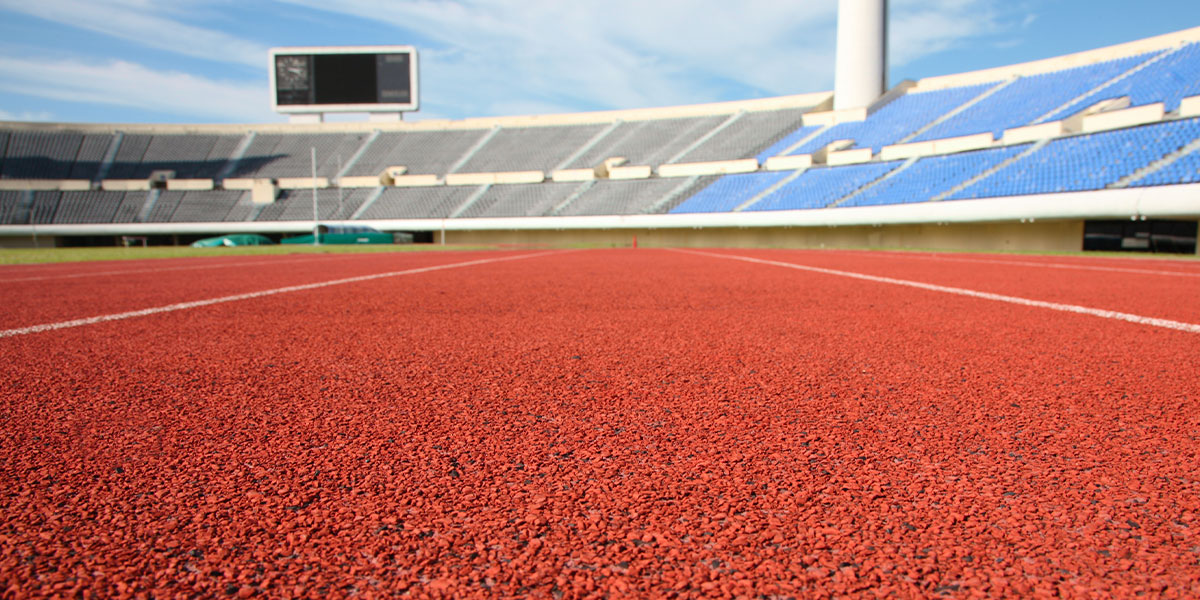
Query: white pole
[[860, 74], [33, 217], [339, 186], [316, 215]]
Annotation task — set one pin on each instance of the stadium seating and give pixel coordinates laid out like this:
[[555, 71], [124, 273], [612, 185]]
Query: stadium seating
[[932, 176], [620, 197], [521, 200], [194, 156], [529, 148], [1168, 79], [1027, 99], [894, 121], [422, 152], [650, 142], [729, 192], [1184, 170], [290, 155], [52, 155], [1085, 162], [746, 135], [820, 187]]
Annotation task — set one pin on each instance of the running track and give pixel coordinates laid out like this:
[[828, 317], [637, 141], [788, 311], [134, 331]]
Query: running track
[[621, 422]]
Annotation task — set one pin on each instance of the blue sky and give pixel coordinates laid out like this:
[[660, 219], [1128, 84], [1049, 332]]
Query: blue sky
[[203, 61]]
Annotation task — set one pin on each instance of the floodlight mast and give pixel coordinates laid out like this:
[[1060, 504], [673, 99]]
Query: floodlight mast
[[860, 77]]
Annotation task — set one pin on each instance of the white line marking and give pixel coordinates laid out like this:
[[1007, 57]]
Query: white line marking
[[182, 268], [249, 295], [1023, 263], [1095, 312]]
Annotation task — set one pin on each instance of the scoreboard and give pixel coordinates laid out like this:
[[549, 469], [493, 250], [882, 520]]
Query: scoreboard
[[344, 79]]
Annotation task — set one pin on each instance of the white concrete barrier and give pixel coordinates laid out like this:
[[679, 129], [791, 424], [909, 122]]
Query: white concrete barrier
[[897, 151], [501, 178], [833, 117], [302, 183], [1116, 119], [788, 163], [190, 185], [963, 143], [602, 169], [361, 181], [75, 185], [263, 191], [417, 181], [1074, 123], [238, 183], [848, 157], [125, 185], [470, 179], [514, 177], [635, 172], [40, 185], [1189, 107], [718, 167], [1033, 133], [563, 175], [822, 156]]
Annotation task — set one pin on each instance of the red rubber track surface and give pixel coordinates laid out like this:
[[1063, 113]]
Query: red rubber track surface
[[55, 294], [623, 422]]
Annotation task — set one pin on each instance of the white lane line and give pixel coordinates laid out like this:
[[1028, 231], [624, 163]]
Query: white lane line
[[161, 269], [1022, 263], [1074, 308], [249, 295]]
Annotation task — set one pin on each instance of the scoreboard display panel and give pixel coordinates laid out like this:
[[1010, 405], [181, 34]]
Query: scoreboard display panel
[[344, 79]]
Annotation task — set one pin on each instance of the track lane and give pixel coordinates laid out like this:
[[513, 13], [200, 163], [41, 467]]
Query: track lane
[[1147, 294], [31, 303], [641, 414]]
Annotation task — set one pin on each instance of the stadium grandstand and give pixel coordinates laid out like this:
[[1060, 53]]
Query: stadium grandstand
[[1026, 157]]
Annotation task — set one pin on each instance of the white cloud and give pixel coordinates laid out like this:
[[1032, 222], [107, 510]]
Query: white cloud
[[919, 28], [26, 115], [131, 85], [148, 23]]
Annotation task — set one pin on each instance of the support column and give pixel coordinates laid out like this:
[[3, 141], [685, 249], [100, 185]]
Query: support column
[[861, 74]]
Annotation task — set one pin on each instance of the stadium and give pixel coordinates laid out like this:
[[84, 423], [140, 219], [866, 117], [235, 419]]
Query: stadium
[[930, 339]]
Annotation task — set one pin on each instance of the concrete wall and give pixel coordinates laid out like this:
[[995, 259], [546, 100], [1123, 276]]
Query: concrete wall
[[66, 185], [788, 163], [962, 144], [562, 175], [848, 157], [1045, 236], [896, 151], [1033, 133], [190, 185], [1189, 107], [719, 167], [495, 178], [302, 183], [1129, 117], [125, 185]]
